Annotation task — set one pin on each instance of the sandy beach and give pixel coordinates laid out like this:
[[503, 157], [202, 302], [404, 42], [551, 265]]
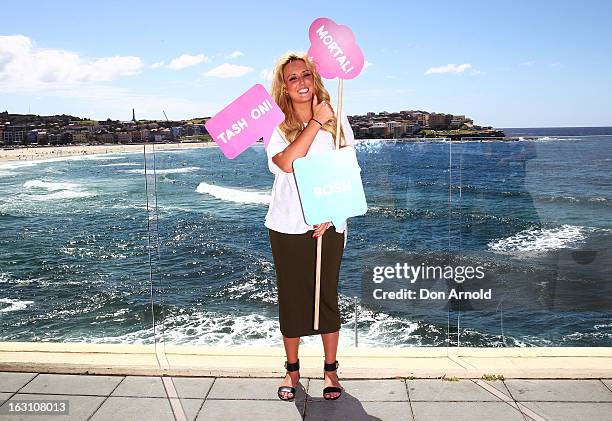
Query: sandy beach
[[46, 152]]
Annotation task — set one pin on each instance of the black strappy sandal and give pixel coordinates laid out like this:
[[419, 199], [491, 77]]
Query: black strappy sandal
[[290, 367], [331, 389]]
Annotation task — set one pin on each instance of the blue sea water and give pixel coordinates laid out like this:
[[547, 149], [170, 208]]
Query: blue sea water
[[76, 236], [558, 131]]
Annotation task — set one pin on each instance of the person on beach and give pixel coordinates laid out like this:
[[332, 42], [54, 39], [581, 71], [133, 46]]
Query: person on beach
[[309, 128]]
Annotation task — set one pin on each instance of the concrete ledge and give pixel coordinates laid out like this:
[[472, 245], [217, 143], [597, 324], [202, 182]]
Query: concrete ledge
[[355, 363]]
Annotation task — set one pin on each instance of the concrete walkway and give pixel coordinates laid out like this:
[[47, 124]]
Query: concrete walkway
[[151, 398], [355, 363], [144, 382]]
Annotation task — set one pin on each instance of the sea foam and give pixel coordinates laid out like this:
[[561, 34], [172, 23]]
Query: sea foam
[[55, 190], [122, 164], [234, 195], [49, 185], [163, 171], [34, 162], [541, 239], [14, 305]]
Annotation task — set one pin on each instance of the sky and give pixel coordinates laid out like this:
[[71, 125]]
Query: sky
[[505, 64]]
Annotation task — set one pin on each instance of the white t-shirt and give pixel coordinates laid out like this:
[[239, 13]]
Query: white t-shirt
[[285, 212]]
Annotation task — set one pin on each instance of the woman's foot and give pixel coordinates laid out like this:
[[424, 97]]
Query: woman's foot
[[331, 386], [290, 380], [286, 391]]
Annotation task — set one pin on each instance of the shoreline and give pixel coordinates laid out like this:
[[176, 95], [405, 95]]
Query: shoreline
[[30, 153], [46, 152]]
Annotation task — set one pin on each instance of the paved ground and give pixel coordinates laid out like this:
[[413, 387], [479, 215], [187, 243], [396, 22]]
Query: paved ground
[[119, 398], [355, 363]]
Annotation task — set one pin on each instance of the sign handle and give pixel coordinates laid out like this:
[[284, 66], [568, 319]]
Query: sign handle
[[320, 239], [339, 113], [318, 283]]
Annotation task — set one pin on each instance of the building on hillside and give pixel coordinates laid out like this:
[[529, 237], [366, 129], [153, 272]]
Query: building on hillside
[[176, 132], [14, 134], [440, 121], [106, 138], [124, 137], [378, 130], [79, 137]]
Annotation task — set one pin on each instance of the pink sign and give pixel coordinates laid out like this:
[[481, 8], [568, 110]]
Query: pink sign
[[334, 50], [252, 116]]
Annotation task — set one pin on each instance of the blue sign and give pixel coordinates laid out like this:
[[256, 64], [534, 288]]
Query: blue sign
[[330, 187]]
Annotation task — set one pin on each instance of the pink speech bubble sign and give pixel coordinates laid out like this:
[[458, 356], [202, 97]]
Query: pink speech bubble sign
[[250, 117], [334, 50]]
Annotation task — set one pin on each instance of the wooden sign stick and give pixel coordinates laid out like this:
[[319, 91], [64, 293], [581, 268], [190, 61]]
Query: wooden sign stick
[[320, 239], [318, 283], [338, 114]]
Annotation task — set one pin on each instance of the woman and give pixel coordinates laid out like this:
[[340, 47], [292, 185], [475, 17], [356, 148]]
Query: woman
[[309, 128]]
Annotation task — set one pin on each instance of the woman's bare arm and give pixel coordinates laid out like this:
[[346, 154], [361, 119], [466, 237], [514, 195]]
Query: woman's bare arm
[[298, 148], [322, 112]]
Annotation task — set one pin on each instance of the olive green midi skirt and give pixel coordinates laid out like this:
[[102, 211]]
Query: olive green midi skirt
[[295, 263]]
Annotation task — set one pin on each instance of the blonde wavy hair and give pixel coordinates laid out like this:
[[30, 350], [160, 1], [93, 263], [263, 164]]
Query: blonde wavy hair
[[292, 126]]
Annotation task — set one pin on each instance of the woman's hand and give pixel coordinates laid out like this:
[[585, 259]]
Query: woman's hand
[[321, 111], [320, 229]]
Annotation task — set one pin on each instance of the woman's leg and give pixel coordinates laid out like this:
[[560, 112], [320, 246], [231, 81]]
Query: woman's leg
[[330, 347], [291, 348], [291, 351]]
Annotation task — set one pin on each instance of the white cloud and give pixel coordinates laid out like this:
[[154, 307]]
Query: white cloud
[[227, 70], [267, 74], [187, 60], [75, 82], [527, 63], [235, 54], [25, 67], [557, 64], [449, 68], [158, 64], [367, 64]]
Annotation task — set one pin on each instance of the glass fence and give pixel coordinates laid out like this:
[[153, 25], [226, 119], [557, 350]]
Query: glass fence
[[536, 215], [73, 250], [470, 243]]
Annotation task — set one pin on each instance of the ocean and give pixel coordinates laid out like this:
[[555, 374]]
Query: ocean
[[558, 131], [77, 231]]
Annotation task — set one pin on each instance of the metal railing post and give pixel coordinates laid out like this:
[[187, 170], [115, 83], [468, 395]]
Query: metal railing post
[[356, 318]]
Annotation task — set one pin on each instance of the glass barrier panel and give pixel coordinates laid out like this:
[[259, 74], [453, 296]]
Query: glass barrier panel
[[405, 231], [217, 277], [216, 280], [535, 218], [74, 265]]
